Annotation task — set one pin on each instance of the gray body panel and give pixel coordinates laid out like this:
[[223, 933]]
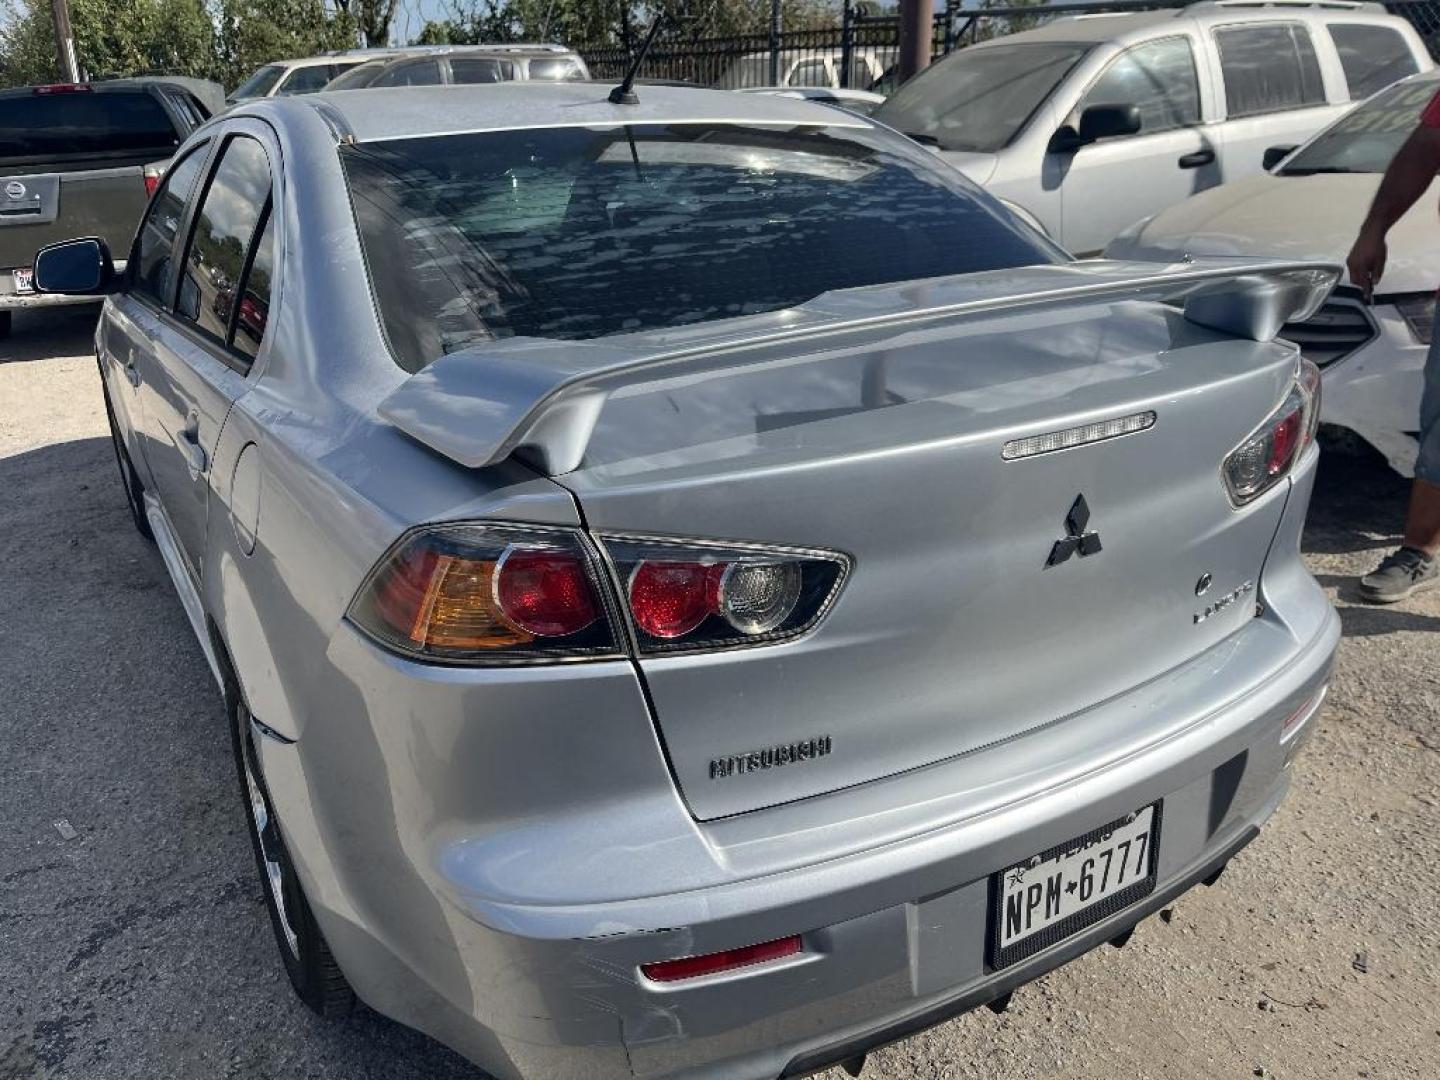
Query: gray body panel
[[493, 851]]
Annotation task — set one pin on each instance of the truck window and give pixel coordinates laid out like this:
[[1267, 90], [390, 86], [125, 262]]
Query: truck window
[[93, 123], [1373, 57], [1268, 68]]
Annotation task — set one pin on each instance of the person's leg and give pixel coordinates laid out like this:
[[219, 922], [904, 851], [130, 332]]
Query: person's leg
[[1416, 566]]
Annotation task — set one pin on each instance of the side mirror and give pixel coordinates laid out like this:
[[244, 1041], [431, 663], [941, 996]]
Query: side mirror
[[1106, 121], [1276, 154], [75, 268]]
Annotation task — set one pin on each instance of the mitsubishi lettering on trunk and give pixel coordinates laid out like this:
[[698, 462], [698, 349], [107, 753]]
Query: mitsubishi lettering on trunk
[[653, 552]]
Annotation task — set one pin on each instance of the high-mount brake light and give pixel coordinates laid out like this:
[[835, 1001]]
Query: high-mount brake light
[[63, 88], [693, 967], [484, 593], [1270, 452], [687, 596]]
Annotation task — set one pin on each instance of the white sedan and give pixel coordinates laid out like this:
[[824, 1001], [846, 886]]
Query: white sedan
[[1310, 205]]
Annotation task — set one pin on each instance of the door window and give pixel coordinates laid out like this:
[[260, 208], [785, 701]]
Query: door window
[[225, 224], [415, 73], [1268, 68], [560, 69], [156, 238], [810, 73], [1373, 57], [1158, 77], [254, 310], [480, 69]]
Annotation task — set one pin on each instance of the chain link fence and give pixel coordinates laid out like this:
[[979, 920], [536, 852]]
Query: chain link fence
[[860, 51]]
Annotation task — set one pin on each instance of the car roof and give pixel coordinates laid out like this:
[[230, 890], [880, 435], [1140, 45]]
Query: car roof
[[413, 111], [1089, 29]]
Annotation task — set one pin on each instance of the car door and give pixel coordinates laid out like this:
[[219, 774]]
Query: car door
[[1273, 89], [130, 322], [205, 343], [1109, 184]]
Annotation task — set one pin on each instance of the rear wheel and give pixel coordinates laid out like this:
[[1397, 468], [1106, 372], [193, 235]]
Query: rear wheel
[[313, 972], [129, 478]]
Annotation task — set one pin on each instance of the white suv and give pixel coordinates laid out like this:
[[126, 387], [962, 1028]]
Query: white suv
[[304, 75], [1091, 122]]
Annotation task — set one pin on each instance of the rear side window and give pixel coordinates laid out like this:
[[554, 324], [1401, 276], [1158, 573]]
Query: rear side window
[[156, 240], [85, 123], [415, 73], [254, 310], [481, 70], [1158, 77], [306, 80], [1268, 68], [579, 233], [559, 69], [225, 225], [259, 84], [1373, 57]]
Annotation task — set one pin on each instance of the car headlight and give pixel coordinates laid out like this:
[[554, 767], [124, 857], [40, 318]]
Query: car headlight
[[1418, 311]]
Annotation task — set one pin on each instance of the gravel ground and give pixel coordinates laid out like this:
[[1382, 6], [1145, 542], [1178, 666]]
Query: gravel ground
[[133, 942]]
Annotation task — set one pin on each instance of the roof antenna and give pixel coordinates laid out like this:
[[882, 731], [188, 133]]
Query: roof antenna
[[624, 94]]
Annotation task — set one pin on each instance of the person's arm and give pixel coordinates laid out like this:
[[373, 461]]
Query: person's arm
[[1407, 178]]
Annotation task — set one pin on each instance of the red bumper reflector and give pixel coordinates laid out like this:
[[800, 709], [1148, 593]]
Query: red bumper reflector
[[691, 967]]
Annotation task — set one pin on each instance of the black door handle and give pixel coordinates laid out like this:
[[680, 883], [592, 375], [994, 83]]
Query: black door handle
[[1197, 159]]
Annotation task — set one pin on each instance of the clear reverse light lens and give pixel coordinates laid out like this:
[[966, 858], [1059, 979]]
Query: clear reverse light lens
[[1052, 441]]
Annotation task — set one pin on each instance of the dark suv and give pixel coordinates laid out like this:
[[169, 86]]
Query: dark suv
[[80, 159]]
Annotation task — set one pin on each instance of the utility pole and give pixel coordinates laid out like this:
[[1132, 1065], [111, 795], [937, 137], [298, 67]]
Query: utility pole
[[64, 41], [915, 29], [774, 42]]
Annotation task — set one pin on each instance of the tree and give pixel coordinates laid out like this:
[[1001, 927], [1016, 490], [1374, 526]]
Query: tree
[[112, 37], [254, 32], [372, 18]]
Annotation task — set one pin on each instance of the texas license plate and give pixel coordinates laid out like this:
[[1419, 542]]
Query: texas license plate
[[1055, 894], [24, 280]]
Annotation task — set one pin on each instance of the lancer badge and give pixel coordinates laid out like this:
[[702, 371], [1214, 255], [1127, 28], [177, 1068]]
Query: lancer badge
[[1079, 539]]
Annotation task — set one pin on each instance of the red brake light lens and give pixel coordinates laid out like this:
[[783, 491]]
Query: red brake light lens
[[688, 596], [63, 88], [1270, 452], [693, 967], [478, 593]]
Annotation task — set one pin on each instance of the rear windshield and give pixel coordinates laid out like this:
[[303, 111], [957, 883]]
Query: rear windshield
[[1366, 138], [580, 233], [259, 84], [84, 124], [979, 99]]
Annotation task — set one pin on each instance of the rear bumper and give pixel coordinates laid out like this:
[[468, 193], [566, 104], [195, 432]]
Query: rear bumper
[[519, 941]]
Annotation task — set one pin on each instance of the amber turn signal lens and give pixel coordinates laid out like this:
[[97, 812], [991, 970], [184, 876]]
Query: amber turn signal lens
[[481, 591]]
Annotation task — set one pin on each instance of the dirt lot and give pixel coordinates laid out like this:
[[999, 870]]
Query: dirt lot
[[137, 946]]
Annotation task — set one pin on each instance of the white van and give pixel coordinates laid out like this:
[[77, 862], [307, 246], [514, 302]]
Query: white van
[[1092, 122]]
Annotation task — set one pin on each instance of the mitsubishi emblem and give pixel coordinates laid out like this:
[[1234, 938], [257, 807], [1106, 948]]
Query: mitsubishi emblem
[[1078, 538]]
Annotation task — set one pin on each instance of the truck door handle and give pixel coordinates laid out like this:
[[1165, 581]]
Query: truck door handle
[[188, 443], [1197, 159]]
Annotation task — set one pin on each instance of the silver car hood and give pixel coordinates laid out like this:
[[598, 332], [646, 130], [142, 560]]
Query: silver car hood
[[974, 164], [539, 400], [1291, 217]]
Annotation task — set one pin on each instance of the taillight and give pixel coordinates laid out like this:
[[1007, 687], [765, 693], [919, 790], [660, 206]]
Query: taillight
[[488, 593], [1271, 450], [684, 596], [153, 174], [693, 967]]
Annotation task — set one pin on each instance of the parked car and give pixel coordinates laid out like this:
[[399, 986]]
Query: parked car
[[697, 586], [856, 101], [468, 64], [1092, 121], [80, 158], [305, 75], [816, 67], [1310, 205]]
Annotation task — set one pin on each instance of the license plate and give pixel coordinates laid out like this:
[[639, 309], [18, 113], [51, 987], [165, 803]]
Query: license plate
[[1046, 899], [24, 280]]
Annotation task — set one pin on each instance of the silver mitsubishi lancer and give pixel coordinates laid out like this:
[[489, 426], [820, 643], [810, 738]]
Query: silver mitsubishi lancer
[[699, 588]]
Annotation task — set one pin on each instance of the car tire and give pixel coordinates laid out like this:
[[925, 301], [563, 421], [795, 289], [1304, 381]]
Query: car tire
[[316, 977], [129, 478]]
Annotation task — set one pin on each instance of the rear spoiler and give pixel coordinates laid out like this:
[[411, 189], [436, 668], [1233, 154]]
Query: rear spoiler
[[539, 399]]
